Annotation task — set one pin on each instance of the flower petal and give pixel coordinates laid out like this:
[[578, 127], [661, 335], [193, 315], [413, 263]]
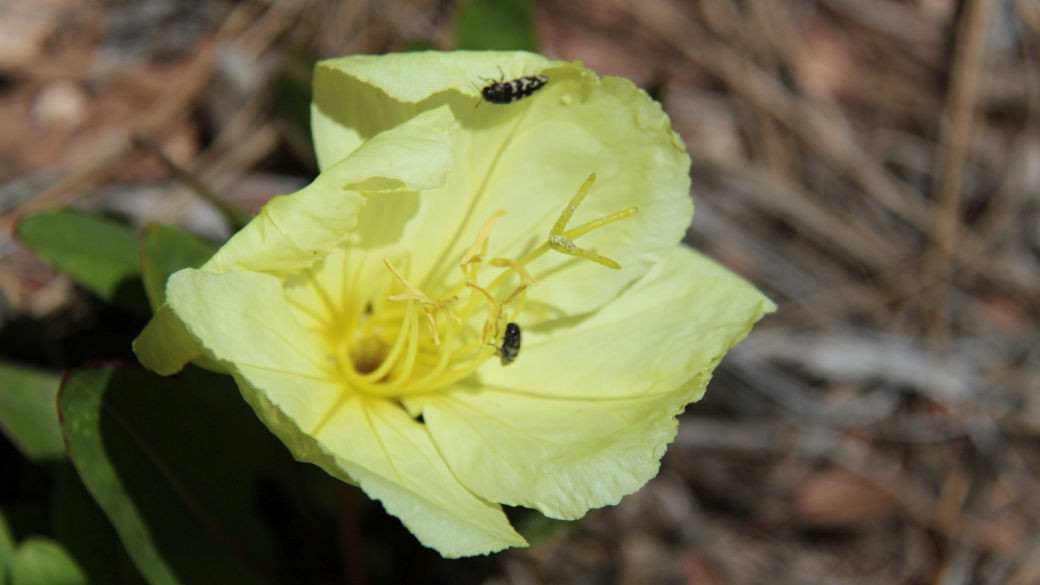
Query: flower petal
[[394, 460], [165, 346], [529, 158], [360, 96], [284, 372], [293, 231], [584, 415], [242, 321], [577, 125]]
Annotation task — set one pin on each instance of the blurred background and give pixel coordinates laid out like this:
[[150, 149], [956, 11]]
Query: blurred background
[[872, 165]]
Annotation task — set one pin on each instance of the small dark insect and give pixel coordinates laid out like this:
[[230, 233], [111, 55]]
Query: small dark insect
[[505, 92], [510, 344]]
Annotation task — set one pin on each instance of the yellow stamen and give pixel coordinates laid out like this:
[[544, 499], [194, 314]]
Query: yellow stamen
[[483, 291], [506, 262], [415, 293], [409, 360], [431, 307], [442, 365], [519, 307], [413, 365], [432, 320], [515, 293], [391, 358], [490, 328], [482, 237], [452, 376]]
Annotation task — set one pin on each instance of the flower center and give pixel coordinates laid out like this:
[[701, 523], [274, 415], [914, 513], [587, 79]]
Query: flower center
[[412, 343]]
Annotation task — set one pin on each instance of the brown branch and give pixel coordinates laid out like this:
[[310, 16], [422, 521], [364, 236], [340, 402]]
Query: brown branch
[[234, 215], [955, 132], [113, 149]]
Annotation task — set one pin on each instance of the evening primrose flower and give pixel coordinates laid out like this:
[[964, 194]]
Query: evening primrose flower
[[363, 316]]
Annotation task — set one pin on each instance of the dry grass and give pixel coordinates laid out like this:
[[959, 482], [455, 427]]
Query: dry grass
[[873, 166]]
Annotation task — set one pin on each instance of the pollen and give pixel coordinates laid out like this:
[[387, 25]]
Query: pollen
[[562, 243]]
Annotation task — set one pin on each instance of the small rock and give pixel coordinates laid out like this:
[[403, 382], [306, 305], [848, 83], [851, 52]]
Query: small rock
[[61, 104], [24, 28], [835, 499]]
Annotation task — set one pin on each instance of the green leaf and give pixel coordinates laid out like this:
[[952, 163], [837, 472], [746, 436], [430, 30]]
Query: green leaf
[[86, 533], [416, 45], [28, 411], [292, 105], [99, 254], [6, 549], [164, 250], [496, 25], [174, 463], [535, 526], [42, 561]]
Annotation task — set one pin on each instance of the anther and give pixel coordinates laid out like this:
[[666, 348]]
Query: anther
[[430, 306], [479, 248], [525, 276]]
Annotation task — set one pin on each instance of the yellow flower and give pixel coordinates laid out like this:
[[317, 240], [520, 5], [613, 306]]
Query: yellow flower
[[363, 316]]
